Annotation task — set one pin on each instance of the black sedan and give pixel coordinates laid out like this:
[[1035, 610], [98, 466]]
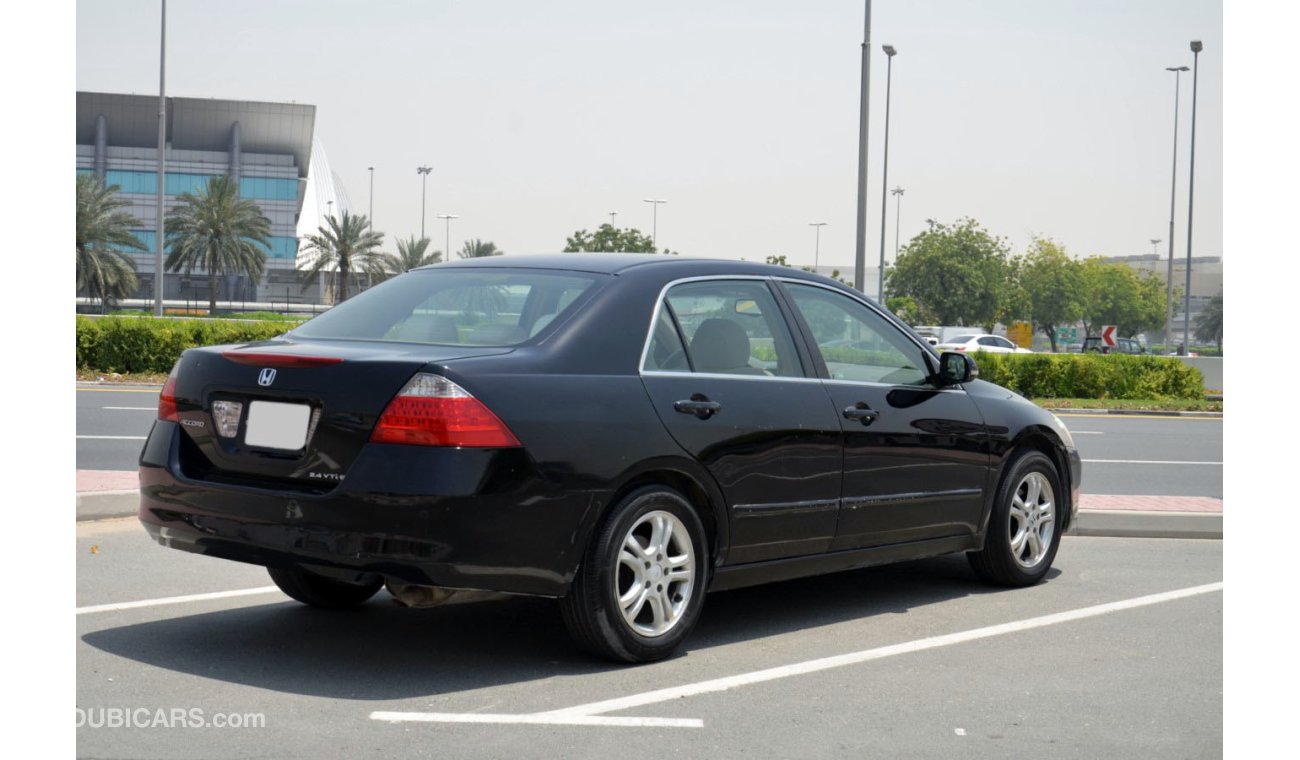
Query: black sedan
[[623, 432]]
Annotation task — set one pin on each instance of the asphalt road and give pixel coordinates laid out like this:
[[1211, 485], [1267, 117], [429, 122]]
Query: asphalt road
[[1151, 456], [1142, 679]]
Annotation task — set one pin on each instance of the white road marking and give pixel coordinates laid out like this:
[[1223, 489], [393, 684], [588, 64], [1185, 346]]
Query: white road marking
[[1072, 432], [132, 408], [537, 719], [582, 715], [112, 437], [175, 600], [1145, 461]]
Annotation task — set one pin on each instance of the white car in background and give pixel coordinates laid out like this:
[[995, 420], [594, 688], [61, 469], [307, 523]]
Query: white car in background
[[994, 344]]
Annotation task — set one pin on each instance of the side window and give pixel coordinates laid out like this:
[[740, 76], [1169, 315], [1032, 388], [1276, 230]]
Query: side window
[[855, 342], [989, 340], [730, 327]]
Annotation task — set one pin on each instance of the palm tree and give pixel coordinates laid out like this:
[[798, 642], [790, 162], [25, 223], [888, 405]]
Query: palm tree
[[411, 254], [1209, 325], [106, 273], [347, 245], [217, 231], [476, 248]]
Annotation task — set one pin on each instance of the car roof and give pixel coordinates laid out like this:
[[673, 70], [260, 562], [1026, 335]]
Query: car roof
[[616, 263]]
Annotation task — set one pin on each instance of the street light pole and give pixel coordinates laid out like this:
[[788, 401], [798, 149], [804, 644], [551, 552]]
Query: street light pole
[[864, 110], [424, 185], [1191, 186], [612, 219], [1173, 193], [654, 229], [371, 217], [898, 214], [447, 243], [817, 242], [162, 167], [1155, 242], [890, 52]]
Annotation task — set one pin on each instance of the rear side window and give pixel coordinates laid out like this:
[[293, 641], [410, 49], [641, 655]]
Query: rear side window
[[730, 327], [471, 307]]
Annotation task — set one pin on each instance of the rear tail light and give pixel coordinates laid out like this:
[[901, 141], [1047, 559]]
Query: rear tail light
[[167, 398], [433, 411]]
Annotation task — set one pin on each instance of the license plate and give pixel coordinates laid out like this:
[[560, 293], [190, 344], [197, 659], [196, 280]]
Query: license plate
[[274, 425]]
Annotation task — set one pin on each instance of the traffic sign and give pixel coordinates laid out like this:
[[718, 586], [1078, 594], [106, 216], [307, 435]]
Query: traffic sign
[[1108, 336], [1022, 334]]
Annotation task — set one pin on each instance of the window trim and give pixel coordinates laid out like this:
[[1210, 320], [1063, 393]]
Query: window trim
[[802, 355]]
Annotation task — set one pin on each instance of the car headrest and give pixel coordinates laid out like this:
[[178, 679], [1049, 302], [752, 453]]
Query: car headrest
[[720, 344]]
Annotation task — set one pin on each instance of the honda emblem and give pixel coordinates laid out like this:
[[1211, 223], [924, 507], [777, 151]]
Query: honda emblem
[[266, 377]]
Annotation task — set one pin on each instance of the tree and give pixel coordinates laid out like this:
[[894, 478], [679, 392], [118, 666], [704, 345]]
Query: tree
[[955, 274], [477, 249], [1209, 324], [217, 231], [411, 254], [609, 239], [1116, 295], [1053, 284], [345, 245], [106, 273]]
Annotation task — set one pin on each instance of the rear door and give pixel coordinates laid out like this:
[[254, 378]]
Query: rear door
[[915, 456], [726, 379]]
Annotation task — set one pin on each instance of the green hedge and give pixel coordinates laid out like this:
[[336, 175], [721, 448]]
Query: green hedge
[[1112, 376], [147, 344]]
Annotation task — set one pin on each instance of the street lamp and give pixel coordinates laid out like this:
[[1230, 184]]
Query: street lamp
[[159, 226], [884, 179], [1155, 242], [1191, 186], [817, 242], [654, 229], [898, 214], [612, 219], [371, 217], [424, 184], [446, 246], [1173, 192]]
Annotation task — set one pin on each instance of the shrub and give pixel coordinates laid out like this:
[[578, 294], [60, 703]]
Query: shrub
[[146, 344], [1098, 376]]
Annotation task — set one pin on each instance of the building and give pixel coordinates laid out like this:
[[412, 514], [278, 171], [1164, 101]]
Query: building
[[267, 147]]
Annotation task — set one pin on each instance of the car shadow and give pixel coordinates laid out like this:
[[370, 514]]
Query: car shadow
[[382, 651]]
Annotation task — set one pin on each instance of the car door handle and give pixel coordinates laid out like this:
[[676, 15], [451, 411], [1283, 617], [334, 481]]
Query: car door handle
[[698, 405], [861, 412]]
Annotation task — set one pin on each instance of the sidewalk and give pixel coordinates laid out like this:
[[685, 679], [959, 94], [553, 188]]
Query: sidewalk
[[103, 494]]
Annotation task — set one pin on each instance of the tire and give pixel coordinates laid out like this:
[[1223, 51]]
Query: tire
[[318, 591], [1024, 529], [639, 590]]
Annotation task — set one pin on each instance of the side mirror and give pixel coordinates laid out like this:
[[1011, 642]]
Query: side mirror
[[955, 367]]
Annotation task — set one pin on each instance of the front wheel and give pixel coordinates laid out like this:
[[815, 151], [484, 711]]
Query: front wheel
[[641, 585], [1024, 529], [318, 591]]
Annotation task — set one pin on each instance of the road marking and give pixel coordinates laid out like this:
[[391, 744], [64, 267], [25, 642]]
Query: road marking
[[1113, 417], [1145, 461], [113, 437], [175, 600], [119, 390], [133, 408], [580, 715], [1072, 432], [537, 719]]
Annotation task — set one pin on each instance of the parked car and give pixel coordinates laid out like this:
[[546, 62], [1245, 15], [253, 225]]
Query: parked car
[[994, 344], [1123, 346], [621, 432]]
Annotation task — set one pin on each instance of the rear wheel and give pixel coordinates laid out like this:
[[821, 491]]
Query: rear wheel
[[318, 591], [639, 591], [1024, 529]]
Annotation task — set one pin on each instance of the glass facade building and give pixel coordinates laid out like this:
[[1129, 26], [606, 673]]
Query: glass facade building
[[267, 147]]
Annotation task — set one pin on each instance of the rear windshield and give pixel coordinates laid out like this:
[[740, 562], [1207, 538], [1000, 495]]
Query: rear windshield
[[468, 307]]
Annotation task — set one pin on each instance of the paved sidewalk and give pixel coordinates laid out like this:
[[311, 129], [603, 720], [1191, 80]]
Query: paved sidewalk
[[102, 494]]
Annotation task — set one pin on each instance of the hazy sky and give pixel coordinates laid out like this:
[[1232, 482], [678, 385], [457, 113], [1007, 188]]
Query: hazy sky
[[1035, 117]]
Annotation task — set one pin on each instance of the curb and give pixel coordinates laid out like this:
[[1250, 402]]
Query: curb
[[107, 505], [1135, 524]]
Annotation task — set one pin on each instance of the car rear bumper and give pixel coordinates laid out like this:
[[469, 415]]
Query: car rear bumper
[[461, 518]]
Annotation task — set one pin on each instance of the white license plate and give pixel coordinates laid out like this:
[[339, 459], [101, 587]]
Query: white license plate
[[273, 425]]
